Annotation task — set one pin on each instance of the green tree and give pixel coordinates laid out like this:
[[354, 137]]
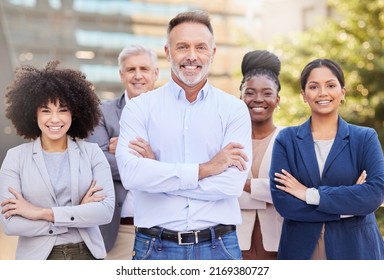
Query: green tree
[[353, 36]]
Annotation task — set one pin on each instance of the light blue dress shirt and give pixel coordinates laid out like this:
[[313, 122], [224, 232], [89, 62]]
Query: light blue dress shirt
[[167, 191]]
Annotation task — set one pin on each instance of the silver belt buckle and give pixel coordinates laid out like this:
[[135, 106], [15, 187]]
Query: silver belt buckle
[[180, 238]]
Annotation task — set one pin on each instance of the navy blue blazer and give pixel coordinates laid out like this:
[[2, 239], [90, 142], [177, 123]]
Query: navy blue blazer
[[355, 149]]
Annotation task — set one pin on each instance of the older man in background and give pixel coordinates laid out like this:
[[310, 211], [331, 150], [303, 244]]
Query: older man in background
[[138, 73]]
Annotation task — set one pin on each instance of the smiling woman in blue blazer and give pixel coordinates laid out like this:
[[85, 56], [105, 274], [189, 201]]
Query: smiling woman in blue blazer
[[56, 189], [327, 177]]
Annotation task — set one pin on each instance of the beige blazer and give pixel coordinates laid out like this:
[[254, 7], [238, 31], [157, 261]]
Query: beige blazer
[[260, 201], [24, 170]]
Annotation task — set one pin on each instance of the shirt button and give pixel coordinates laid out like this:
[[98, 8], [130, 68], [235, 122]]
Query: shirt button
[[72, 218], [51, 231]]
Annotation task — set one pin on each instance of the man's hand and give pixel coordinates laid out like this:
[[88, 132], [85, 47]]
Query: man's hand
[[141, 148], [112, 145], [231, 155]]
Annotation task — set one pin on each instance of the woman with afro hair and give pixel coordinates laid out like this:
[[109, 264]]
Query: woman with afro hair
[[56, 189]]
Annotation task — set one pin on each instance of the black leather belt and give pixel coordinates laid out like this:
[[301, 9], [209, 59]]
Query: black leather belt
[[127, 221], [187, 237]]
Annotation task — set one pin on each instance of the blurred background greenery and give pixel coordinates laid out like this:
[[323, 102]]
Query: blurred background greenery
[[355, 40]]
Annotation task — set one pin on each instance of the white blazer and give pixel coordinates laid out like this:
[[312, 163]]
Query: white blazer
[[260, 201], [24, 170]]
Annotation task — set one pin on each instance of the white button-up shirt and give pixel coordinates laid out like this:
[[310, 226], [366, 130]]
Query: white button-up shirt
[[167, 191]]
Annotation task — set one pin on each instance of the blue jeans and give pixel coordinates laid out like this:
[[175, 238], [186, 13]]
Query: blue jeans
[[222, 248]]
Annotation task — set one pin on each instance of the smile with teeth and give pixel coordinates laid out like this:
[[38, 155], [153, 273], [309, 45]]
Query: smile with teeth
[[55, 128], [190, 67], [258, 109], [138, 85], [323, 102]]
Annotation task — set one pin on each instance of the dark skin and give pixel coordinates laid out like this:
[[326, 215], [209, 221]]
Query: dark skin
[[260, 94]]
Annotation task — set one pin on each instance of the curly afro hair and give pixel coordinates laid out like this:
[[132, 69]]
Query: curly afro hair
[[33, 88]]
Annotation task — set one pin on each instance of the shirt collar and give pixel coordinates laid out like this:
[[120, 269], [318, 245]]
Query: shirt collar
[[179, 91], [126, 96]]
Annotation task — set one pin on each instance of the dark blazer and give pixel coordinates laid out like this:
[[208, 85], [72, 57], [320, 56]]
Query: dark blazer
[[109, 127], [355, 149]]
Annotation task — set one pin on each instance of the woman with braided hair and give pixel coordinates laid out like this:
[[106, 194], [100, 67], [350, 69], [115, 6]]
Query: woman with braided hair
[[260, 230], [56, 189]]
